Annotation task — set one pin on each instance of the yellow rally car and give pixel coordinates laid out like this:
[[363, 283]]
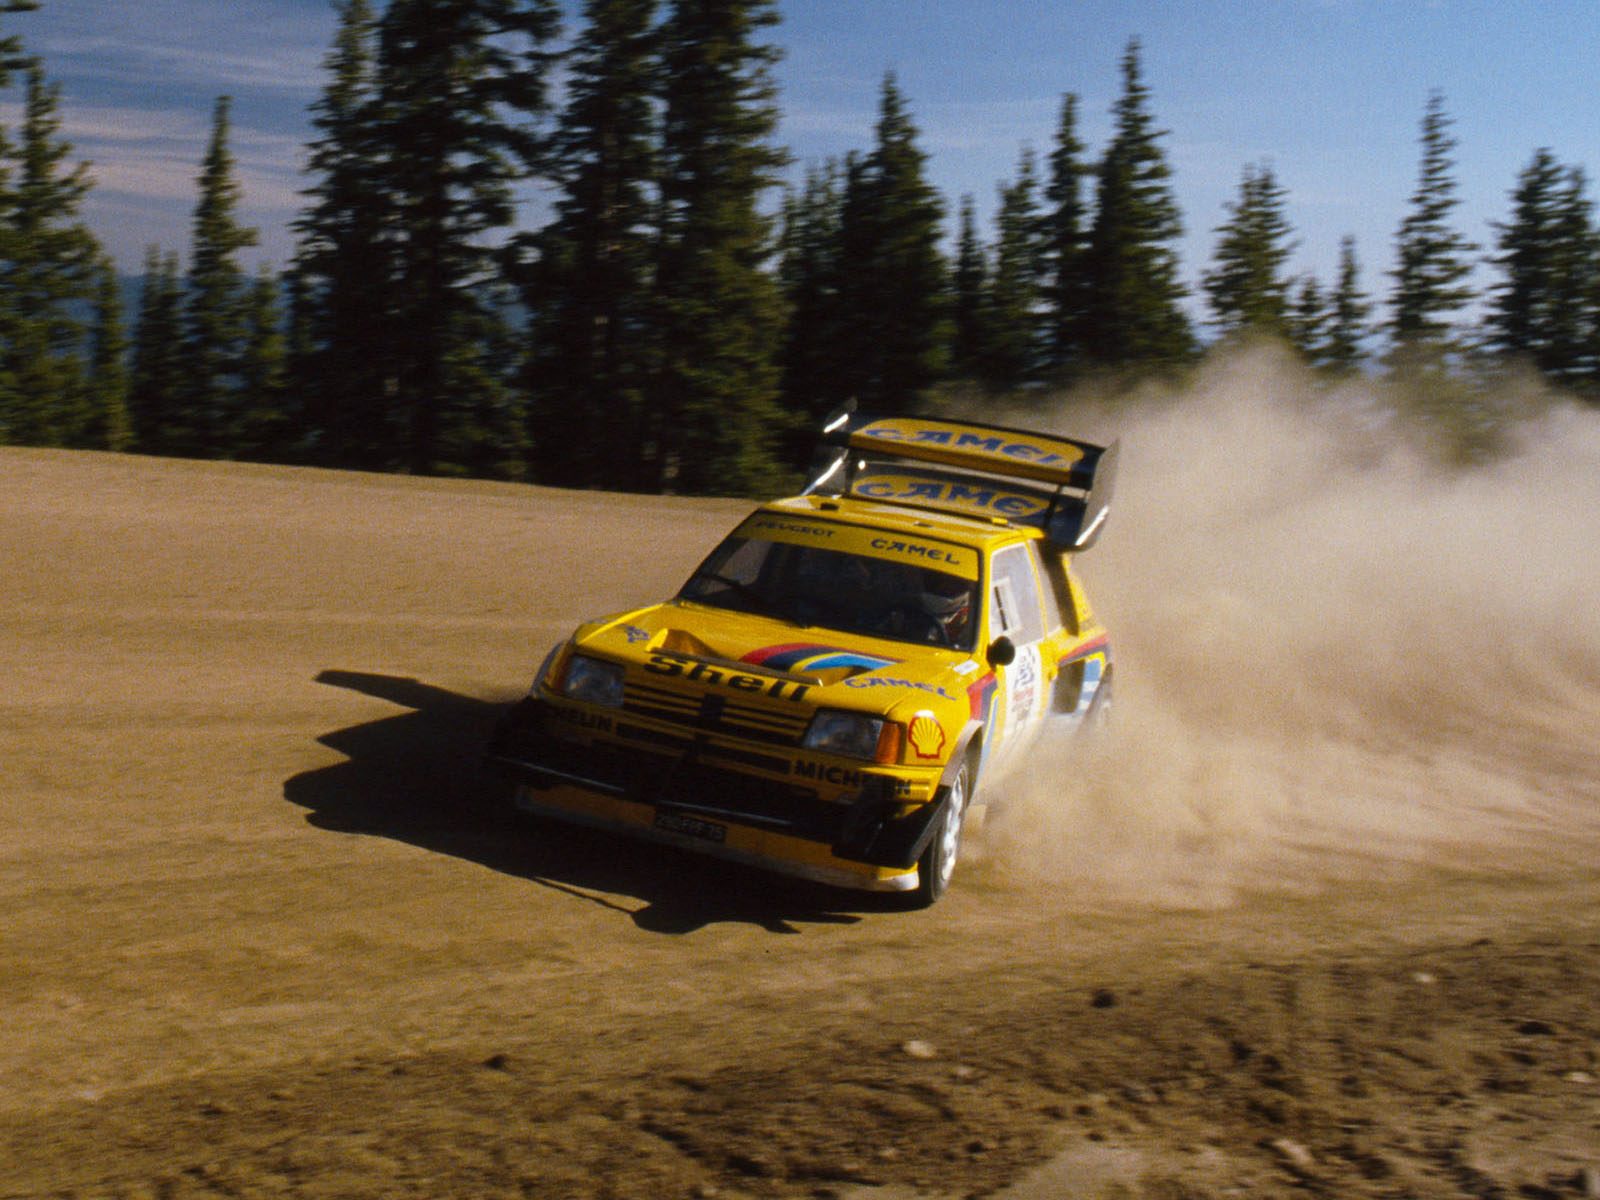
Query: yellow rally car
[[832, 687]]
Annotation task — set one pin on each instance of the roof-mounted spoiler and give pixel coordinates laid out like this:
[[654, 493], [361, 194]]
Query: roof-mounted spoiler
[[1061, 485]]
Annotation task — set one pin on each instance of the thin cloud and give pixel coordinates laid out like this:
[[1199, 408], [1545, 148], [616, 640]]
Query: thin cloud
[[247, 44], [112, 60], [963, 126], [156, 155], [267, 187], [83, 124]]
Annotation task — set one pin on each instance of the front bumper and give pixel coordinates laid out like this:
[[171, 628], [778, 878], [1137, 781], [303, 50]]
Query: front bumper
[[643, 781]]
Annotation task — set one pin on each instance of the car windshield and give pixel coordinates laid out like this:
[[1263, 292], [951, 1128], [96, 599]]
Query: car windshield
[[835, 589]]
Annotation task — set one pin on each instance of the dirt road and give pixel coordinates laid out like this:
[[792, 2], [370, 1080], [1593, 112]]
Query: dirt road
[[258, 936]]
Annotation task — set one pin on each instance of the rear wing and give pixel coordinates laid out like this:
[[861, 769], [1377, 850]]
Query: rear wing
[[1059, 485]]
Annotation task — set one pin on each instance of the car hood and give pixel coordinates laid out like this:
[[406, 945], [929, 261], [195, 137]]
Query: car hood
[[838, 669]]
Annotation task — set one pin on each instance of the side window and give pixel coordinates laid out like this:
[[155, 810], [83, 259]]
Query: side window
[[1002, 608], [1014, 600]]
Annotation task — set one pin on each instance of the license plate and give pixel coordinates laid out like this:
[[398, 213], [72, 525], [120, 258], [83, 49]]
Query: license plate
[[706, 831]]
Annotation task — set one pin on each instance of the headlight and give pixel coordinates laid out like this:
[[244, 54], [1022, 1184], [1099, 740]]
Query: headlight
[[853, 735], [592, 681]]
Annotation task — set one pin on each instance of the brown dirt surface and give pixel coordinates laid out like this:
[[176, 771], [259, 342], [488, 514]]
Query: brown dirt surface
[[263, 933]]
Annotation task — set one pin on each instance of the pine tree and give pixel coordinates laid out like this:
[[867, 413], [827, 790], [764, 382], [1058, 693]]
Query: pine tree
[[1246, 287], [859, 289], [808, 270], [110, 427], [1306, 318], [341, 283], [1544, 311], [11, 58], [483, 425], [300, 351], [11, 54], [1431, 286], [1341, 351], [895, 290], [1066, 245], [209, 424], [719, 314], [1135, 294], [1012, 299], [461, 85], [969, 349], [1576, 344], [155, 401], [1518, 322], [1434, 260], [48, 277], [263, 428], [590, 290]]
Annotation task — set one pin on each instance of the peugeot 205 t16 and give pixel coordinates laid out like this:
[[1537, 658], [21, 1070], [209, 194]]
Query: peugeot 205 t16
[[832, 689]]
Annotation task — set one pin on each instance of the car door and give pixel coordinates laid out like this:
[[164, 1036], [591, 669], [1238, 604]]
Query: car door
[[1016, 612]]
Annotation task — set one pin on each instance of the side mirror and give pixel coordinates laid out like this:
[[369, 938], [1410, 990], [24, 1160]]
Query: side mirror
[[1002, 652]]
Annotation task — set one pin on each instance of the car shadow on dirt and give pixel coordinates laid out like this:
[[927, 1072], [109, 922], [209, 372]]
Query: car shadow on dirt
[[416, 777]]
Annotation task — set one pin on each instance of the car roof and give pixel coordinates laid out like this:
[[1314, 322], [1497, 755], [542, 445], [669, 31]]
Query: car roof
[[980, 533]]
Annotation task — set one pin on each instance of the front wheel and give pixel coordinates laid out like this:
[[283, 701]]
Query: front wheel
[[938, 861]]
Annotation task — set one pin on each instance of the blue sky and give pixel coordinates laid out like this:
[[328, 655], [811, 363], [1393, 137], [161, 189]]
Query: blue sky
[[1330, 92]]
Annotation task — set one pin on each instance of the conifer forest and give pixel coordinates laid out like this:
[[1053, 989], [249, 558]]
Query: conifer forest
[[691, 301]]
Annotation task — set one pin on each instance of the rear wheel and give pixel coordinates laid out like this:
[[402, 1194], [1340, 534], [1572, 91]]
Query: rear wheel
[[938, 861]]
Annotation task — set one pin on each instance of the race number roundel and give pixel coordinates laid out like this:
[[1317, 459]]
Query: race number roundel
[[926, 735]]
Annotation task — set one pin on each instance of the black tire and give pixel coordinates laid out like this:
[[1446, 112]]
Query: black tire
[[938, 861]]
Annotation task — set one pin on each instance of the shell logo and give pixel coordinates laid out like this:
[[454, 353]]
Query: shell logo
[[926, 735]]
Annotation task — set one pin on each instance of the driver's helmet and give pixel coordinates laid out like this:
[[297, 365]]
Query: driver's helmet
[[948, 600]]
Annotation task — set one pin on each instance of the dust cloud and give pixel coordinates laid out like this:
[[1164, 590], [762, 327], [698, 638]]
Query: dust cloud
[[1336, 660]]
